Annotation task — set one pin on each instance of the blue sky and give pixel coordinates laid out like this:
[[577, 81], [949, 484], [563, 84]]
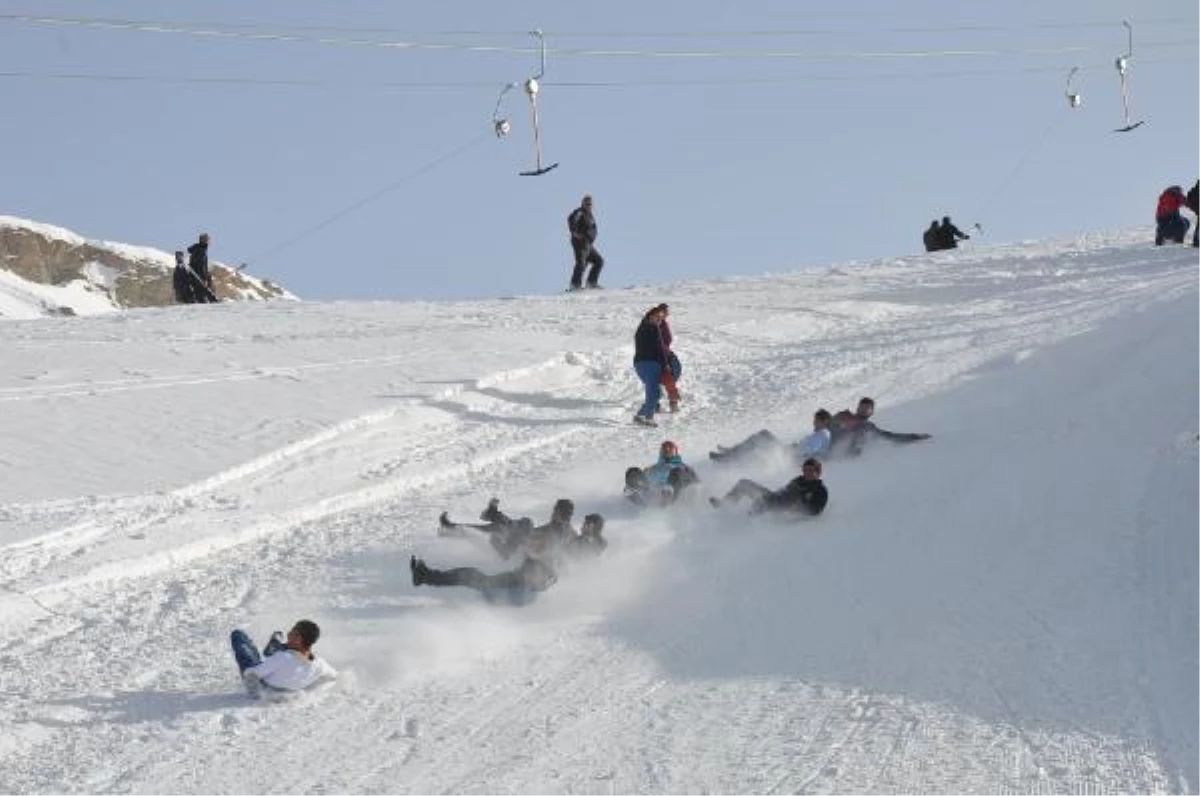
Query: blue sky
[[357, 171]]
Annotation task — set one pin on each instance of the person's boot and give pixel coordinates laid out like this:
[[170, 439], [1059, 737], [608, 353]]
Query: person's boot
[[418, 569], [674, 404]]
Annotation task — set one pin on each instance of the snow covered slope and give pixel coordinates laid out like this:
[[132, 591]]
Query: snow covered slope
[[1009, 607]]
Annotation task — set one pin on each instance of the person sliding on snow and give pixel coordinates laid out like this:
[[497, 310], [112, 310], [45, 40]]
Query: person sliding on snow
[[509, 536], [283, 665], [661, 483], [519, 586], [851, 429], [805, 495], [815, 445]]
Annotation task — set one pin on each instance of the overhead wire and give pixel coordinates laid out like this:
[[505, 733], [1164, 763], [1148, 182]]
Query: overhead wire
[[371, 197], [227, 33]]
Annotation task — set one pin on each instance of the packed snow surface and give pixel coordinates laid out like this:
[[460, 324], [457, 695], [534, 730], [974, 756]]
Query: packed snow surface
[[1010, 606]]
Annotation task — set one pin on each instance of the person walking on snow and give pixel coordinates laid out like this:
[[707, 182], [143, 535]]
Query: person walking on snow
[[673, 369], [582, 225], [649, 360], [283, 665]]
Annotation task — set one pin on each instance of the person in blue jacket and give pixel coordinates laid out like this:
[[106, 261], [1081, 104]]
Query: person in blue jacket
[[663, 482]]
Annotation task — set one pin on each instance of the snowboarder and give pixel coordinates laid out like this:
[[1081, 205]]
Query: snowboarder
[[283, 665], [950, 235], [932, 237], [198, 264], [519, 586], [673, 369], [804, 495], [1193, 203], [582, 225], [1169, 223], [815, 445], [663, 482], [649, 360], [850, 429]]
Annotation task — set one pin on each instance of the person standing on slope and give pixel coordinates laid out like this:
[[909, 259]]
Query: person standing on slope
[[198, 263], [673, 369], [1192, 202], [283, 665], [932, 237], [1169, 223], [582, 225], [649, 360], [950, 235], [182, 280]]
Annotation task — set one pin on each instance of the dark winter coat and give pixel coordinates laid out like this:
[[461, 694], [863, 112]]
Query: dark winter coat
[[932, 237], [198, 258], [949, 236], [849, 431], [1193, 198], [806, 496], [582, 224], [648, 344]]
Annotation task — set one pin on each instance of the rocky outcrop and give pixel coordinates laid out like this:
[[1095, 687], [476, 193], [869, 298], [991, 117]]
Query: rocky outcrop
[[132, 276]]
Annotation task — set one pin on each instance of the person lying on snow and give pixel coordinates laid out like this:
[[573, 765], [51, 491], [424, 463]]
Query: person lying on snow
[[283, 665], [805, 495], [815, 445], [850, 430], [663, 482], [519, 586], [554, 540]]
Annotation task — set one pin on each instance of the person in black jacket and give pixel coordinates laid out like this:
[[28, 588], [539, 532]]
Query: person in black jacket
[[183, 281], [518, 586], [850, 430], [950, 235], [932, 237], [1192, 202], [649, 360], [198, 263], [582, 225], [804, 495]]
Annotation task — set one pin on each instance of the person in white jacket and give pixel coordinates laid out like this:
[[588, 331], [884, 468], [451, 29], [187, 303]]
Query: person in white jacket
[[814, 446], [283, 665]]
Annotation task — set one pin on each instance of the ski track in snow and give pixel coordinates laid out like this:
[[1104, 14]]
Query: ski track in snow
[[114, 670]]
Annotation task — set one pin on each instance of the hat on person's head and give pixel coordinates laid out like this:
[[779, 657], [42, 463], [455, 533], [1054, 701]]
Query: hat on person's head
[[308, 631], [811, 463], [204, 237], [587, 199]]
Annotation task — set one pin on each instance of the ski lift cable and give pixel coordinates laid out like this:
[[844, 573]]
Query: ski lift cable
[[663, 34], [225, 33], [371, 197], [36, 74], [1016, 169]]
